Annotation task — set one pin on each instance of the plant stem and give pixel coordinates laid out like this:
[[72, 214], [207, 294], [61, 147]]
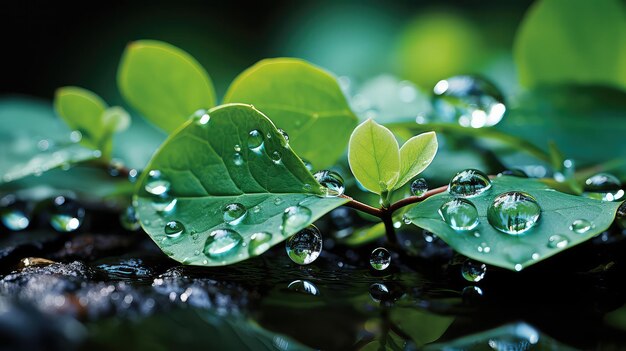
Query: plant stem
[[390, 231], [352, 203], [413, 199]]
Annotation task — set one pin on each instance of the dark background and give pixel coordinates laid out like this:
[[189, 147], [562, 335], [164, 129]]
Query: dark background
[[46, 45]]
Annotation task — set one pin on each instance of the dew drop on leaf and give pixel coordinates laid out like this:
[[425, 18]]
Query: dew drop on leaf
[[332, 182], [305, 246], [173, 229], [295, 217], [163, 203], [259, 243], [276, 157], [380, 259], [581, 226], [234, 213], [469, 183], [157, 183], [237, 159], [459, 214], [222, 242], [255, 140], [513, 212], [603, 186], [557, 241], [285, 136]]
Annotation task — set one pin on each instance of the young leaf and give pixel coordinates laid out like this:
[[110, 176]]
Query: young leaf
[[237, 157], [415, 155], [573, 41], [374, 157], [82, 110], [558, 212], [164, 83], [302, 99]]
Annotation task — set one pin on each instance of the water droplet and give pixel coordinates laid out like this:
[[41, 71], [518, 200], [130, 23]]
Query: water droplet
[[471, 101], [308, 165], [173, 229], [557, 241], [513, 212], [514, 172], [305, 246], [133, 174], [222, 242], [14, 213], [603, 186], [620, 216], [76, 136], [202, 117], [332, 182], [278, 201], [380, 259], [276, 156], [419, 187], [473, 271], [66, 215], [285, 136], [379, 292], [256, 209], [484, 248], [163, 203], [255, 140], [581, 226], [518, 267], [303, 286], [469, 183], [259, 243], [129, 220], [459, 214], [294, 218], [237, 148], [157, 183], [234, 213], [237, 159]]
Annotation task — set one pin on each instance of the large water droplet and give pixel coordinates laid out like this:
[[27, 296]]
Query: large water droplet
[[255, 140], [129, 220], [157, 183], [276, 156], [259, 243], [557, 241], [305, 246], [234, 213], [469, 100], [332, 182], [380, 259], [459, 214], [222, 242], [303, 286], [163, 203], [473, 271], [295, 217], [419, 187], [66, 215], [14, 213], [580, 226], [173, 229], [469, 183], [513, 212], [603, 186]]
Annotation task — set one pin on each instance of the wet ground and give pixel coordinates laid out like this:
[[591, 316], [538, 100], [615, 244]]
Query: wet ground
[[108, 289]]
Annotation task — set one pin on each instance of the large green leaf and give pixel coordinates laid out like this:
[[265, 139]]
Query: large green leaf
[[33, 140], [302, 99], [164, 83], [573, 41], [374, 157], [558, 212], [210, 166]]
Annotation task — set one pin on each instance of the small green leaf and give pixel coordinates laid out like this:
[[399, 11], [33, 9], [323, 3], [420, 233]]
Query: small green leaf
[[415, 155], [164, 83], [558, 212], [421, 326], [573, 41], [115, 119], [82, 110], [302, 99], [374, 157], [215, 164]]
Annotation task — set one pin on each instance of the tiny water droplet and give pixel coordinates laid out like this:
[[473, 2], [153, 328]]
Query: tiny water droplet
[[129, 220], [469, 183], [276, 157], [473, 271], [535, 256], [259, 243], [470, 100], [237, 159], [513, 212], [303, 286], [419, 187], [305, 246], [285, 136], [173, 229], [581, 226], [484, 248], [459, 214], [14, 213], [237, 148], [557, 241], [256, 209], [603, 186], [157, 183], [380, 259], [332, 182], [222, 242], [295, 217], [66, 215], [278, 201], [234, 213]]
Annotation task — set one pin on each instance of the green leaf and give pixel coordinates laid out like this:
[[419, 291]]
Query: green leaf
[[207, 173], [82, 110], [302, 99], [164, 83], [421, 326], [415, 155], [573, 41], [33, 140], [365, 235], [514, 252], [374, 157]]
